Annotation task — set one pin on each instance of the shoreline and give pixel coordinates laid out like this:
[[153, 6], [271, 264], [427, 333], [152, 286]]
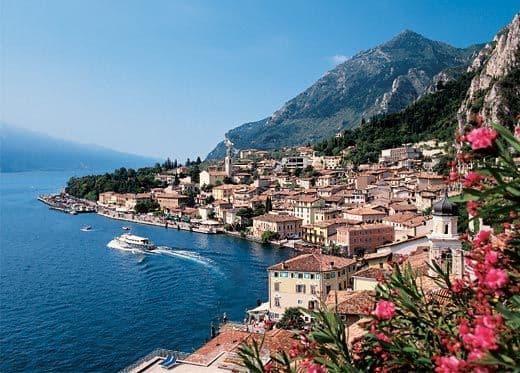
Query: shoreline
[[91, 207]]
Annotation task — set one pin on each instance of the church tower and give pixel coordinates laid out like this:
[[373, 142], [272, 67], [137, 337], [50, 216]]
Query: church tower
[[228, 163], [445, 247]]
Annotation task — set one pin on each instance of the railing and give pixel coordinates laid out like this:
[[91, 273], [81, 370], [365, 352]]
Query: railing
[[160, 352]]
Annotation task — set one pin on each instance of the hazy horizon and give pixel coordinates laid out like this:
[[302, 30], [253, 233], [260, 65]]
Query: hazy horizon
[[167, 79]]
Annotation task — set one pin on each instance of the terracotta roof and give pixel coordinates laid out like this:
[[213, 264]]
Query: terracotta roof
[[226, 341], [273, 218], [308, 199], [351, 302], [274, 341], [360, 227], [371, 272], [365, 211], [419, 259], [313, 263], [403, 207]]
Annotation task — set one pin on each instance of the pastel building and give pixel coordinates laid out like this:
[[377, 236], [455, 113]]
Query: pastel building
[[285, 225], [306, 280]]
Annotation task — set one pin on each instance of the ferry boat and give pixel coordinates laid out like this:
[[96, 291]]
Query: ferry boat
[[131, 242]]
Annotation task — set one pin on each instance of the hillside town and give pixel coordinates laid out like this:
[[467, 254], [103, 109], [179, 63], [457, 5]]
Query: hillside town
[[347, 224]]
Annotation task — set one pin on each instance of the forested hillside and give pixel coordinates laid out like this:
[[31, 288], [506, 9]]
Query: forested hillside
[[431, 117]]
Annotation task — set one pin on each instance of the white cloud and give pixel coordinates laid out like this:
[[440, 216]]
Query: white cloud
[[339, 58]]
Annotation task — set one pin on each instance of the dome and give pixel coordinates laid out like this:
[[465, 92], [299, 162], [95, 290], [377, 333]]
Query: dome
[[444, 207]]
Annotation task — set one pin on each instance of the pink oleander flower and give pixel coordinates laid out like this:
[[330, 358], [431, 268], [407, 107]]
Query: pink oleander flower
[[385, 310], [485, 338], [472, 179], [471, 207], [316, 368], [495, 278], [481, 138], [491, 322], [481, 237], [491, 258], [449, 364], [475, 355], [517, 132], [383, 337]]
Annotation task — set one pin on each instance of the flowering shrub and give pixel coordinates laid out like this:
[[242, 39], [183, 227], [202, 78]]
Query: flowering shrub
[[470, 324]]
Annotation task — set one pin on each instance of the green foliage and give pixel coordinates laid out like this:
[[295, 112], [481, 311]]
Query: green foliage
[[292, 318], [268, 204], [121, 180], [146, 206], [269, 236]]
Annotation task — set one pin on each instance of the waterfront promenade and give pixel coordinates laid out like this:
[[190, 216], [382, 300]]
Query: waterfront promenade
[[65, 203]]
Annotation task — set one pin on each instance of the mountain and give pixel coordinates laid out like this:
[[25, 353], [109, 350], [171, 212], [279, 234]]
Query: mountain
[[494, 92], [383, 79], [24, 150], [490, 87]]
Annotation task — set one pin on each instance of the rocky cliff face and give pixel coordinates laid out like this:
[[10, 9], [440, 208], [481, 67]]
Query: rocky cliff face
[[495, 90], [383, 79]]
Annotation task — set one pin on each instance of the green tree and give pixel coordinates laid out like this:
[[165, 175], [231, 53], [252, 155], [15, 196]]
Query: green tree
[[146, 206], [269, 236], [268, 204], [292, 319]]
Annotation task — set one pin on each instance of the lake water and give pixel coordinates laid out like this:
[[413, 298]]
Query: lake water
[[69, 303]]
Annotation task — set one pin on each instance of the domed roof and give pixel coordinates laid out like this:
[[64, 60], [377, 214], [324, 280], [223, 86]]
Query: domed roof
[[444, 207]]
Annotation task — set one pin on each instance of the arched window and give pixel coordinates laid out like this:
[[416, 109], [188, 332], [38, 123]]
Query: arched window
[[446, 228]]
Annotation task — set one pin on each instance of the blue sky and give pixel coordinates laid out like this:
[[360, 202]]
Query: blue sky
[[169, 78]]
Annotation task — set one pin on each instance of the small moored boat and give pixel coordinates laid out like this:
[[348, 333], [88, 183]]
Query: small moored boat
[[86, 228], [126, 228]]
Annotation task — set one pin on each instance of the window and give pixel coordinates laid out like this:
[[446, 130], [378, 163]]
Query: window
[[446, 229], [293, 274], [284, 274], [300, 275], [307, 275], [277, 302], [317, 276], [275, 274], [276, 286], [300, 288], [300, 301], [327, 290], [313, 289]]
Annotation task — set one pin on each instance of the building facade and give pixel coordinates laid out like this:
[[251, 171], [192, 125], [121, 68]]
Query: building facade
[[306, 280], [285, 226]]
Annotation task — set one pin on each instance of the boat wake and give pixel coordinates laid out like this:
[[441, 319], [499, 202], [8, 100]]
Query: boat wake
[[185, 254], [168, 251]]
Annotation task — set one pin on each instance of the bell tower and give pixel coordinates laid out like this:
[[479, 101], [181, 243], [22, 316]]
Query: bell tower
[[445, 247], [228, 163]]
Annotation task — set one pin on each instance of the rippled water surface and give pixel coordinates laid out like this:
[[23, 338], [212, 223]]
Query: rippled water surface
[[69, 303]]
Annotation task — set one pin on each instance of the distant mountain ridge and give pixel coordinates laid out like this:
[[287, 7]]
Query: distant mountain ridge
[[25, 150], [383, 79]]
